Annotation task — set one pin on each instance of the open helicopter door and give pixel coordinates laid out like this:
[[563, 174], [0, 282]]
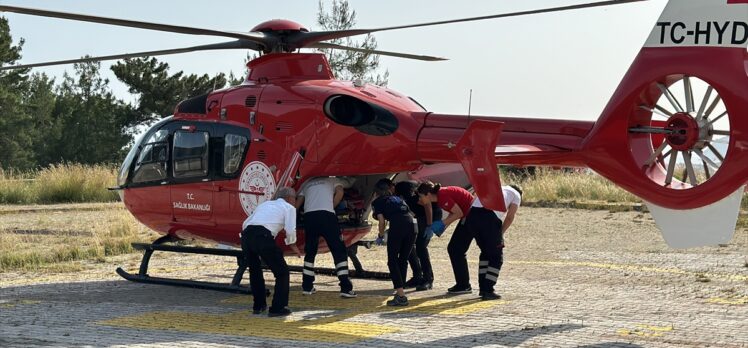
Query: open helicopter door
[[192, 191]]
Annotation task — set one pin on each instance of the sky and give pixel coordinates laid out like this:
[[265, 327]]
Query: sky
[[560, 65]]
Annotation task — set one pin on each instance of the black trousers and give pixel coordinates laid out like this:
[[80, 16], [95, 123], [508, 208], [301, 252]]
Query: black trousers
[[259, 245], [400, 240], [483, 225], [420, 261], [324, 224]]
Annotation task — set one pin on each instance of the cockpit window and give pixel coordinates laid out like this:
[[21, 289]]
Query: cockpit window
[[190, 154], [233, 153], [153, 171], [151, 164]]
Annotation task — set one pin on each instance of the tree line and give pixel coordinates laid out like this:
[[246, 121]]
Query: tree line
[[78, 119]]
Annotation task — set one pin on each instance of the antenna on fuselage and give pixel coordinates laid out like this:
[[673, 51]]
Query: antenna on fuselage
[[470, 101]]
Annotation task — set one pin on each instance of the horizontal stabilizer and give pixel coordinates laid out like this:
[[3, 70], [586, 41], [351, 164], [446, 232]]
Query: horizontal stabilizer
[[708, 225]]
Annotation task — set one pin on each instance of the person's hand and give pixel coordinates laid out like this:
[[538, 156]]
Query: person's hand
[[438, 227], [428, 233], [379, 241]]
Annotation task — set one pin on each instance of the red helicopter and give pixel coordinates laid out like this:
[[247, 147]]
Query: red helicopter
[[202, 171]]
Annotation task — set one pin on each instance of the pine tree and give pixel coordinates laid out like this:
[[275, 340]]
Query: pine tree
[[349, 65], [15, 124], [158, 91]]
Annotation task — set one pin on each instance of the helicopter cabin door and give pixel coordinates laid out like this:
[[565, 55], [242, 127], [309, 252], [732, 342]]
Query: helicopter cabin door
[[193, 187]]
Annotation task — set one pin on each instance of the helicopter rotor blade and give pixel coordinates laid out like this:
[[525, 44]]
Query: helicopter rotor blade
[[256, 37], [239, 44], [300, 40], [325, 45]]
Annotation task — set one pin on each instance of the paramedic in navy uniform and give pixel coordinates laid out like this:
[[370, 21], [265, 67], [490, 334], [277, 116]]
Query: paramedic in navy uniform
[[320, 195], [388, 208], [258, 243]]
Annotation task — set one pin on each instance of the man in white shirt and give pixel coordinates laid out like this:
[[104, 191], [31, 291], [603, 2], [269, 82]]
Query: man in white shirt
[[258, 243], [489, 235], [319, 196]]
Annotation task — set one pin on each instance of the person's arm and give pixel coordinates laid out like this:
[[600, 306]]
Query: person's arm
[[289, 225], [429, 213], [299, 202], [509, 217], [382, 225], [454, 214], [338, 195]]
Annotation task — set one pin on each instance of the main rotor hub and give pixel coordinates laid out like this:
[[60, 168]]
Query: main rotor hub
[[279, 25], [684, 131]]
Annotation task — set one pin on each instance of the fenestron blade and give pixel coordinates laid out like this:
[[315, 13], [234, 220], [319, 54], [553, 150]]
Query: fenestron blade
[[255, 37], [239, 44], [300, 40], [325, 45]]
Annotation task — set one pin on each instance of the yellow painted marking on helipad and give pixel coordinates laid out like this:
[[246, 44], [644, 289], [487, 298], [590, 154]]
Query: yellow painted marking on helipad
[[729, 301], [322, 317], [375, 304], [14, 303], [643, 330], [362, 330], [445, 306], [243, 323], [320, 300], [639, 268]]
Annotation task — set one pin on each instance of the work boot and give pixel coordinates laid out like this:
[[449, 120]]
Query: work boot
[[488, 296], [348, 294], [279, 313], [260, 310], [412, 283], [424, 286], [457, 290], [398, 301]]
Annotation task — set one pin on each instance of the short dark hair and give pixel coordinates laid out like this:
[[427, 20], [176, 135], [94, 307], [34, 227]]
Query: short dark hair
[[428, 187], [382, 186], [406, 188], [518, 188]]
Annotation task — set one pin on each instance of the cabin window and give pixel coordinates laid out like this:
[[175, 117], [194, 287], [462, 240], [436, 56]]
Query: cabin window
[[190, 154], [233, 153], [154, 154]]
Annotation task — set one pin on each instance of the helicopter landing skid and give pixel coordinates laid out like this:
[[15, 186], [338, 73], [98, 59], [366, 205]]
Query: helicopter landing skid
[[158, 245], [235, 285]]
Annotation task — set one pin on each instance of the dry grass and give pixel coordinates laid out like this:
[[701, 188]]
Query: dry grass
[[63, 183], [33, 241], [553, 186]]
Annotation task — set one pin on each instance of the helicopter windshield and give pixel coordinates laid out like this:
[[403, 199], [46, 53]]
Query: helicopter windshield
[[153, 135]]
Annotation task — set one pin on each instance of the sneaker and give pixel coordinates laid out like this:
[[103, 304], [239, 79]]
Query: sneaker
[[348, 294], [412, 283], [424, 286], [488, 296], [310, 292], [281, 313], [455, 290], [398, 301], [259, 311]]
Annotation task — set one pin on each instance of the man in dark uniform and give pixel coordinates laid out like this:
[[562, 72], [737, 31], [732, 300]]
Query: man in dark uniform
[[420, 261], [319, 197]]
